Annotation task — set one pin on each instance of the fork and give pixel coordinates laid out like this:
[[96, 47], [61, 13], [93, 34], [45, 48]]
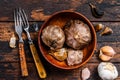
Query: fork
[[38, 63], [18, 29]]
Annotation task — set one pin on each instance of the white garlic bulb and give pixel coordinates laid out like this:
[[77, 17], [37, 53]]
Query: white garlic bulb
[[107, 71], [106, 53], [85, 74], [12, 42]]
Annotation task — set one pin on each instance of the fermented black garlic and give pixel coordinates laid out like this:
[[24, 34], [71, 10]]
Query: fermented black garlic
[[95, 11]]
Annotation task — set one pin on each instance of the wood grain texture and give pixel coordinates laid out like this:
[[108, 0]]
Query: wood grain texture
[[40, 10], [110, 7], [7, 29], [12, 71], [9, 58], [23, 64]]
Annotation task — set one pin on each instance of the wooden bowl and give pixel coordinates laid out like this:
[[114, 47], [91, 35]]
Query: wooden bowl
[[60, 18]]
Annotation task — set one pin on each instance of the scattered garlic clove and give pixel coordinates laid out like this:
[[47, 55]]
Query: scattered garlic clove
[[106, 53], [12, 42], [107, 71], [99, 27], [106, 31], [85, 74]]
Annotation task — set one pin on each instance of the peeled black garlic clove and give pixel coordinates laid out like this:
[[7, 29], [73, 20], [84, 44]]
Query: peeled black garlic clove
[[99, 27], [35, 26], [12, 42], [95, 12], [106, 31]]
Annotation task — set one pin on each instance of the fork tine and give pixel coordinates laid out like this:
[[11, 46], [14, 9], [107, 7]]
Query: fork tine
[[15, 18], [18, 21], [24, 18]]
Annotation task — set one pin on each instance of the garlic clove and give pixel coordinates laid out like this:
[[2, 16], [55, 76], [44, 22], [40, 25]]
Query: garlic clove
[[108, 50], [85, 74], [12, 42], [106, 53], [106, 31], [99, 27], [107, 71], [104, 57]]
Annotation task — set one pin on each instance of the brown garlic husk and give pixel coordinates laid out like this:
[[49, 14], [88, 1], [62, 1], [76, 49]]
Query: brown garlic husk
[[99, 27], [106, 31], [106, 53], [59, 54]]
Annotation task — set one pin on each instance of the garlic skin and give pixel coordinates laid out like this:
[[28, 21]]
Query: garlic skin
[[12, 42], [106, 53], [85, 74], [59, 54], [107, 71]]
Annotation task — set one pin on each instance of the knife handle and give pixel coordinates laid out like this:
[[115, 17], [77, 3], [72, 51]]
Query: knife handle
[[38, 63], [23, 64]]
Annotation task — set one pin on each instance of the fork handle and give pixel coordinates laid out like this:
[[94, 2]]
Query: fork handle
[[38, 63], [23, 64]]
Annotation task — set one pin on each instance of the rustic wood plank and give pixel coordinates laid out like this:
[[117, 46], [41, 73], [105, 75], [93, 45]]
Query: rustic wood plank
[[110, 7], [13, 55], [40, 10], [8, 54], [11, 71], [7, 29], [9, 58]]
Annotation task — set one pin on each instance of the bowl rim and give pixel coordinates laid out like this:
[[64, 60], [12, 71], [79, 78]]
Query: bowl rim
[[86, 19]]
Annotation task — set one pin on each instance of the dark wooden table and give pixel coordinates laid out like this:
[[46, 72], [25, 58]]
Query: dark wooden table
[[40, 10]]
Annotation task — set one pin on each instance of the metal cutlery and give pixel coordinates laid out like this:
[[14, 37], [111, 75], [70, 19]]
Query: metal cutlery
[[38, 63], [18, 29]]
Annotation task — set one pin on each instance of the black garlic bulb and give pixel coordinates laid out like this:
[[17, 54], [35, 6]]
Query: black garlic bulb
[[77, 34], [53, 36]]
